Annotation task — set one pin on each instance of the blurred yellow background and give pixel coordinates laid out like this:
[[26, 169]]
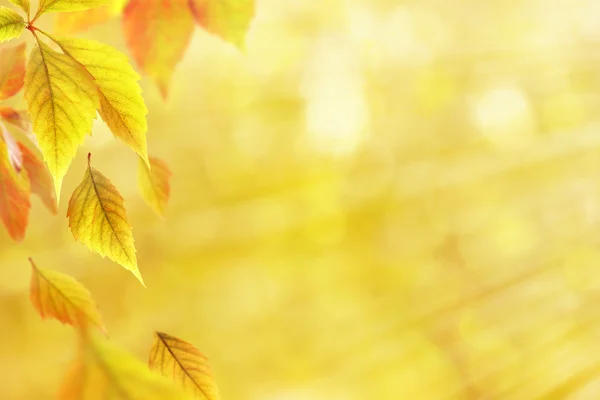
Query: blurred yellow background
[[381, 199]]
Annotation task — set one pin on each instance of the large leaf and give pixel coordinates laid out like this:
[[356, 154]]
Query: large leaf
[[157, 34], [102, 371], [39, 178], [98, 219], [63, 99], [154, 184], [228, 19], [12, 70], [182, 362], [23, 4], [61, 297], [121, 104], [69, 5], [14, 188], [11, 24]]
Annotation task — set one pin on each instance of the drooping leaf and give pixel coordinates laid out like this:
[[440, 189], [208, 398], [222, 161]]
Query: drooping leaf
[[122, 106], [63, 99], [69, 23], [17, 118], [39, 178], [97, 219], [59, 296], [154, 184], [23, 4], [182, 362], [11, 24], [69, 5], [228, 19], [12, 70], [103, 371], [157, 34], [14, 189]]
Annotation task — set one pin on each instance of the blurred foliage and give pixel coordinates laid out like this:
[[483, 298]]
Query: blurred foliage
[[378, 200]]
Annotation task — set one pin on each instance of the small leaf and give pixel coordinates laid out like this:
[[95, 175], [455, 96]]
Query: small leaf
[[23, 4], [69, 23], [122, 106], [17, 118], [98, 219], [14, 189], [228, 19], [11, 24], [12, 70], [39, 178], [103, 371], [182, 362], [157, 34], [62, 100], [69, 5], [61, 297], [154, 184]]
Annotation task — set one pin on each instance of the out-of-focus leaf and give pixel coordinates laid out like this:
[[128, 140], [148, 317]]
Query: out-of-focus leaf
[[39, 178], [69, 23], [11, 24], [69, 5], [182, 362], [154, 184], [17, 118], [228, 19], [23, 4], [63, 99], [103, 371], [12, 70], [122, 106], [98, 219], [61, 297], [157, 34]]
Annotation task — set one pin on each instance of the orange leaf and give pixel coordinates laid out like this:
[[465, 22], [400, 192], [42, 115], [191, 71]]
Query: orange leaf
[[39, 178], [61, 297], [157, 34], [14, 189], [12, 70], [154, 183], [17, 118]]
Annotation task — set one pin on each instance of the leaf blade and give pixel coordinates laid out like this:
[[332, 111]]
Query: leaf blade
[[12, 70], [11, 24], [39, 178], [23, 4], [154, 184], [69, 5]]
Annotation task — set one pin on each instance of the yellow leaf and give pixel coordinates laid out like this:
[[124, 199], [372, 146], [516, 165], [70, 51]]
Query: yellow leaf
[[11, 24], [63, 99], [182, 362], [61, 297], [12, 70], [228, 19], [122, 106], [68, 23], [69, 5], [103, 371], [39, 178], [98, 219], [23, 4], [154, 184], [157, 34]]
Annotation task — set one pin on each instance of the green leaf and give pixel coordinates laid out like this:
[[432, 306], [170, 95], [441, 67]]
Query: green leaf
[[11, 24]]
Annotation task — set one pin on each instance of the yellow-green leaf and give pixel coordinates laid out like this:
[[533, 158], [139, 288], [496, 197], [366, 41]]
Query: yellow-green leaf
[[69, 5], [61, 297], [103, 371], [228, 19], [23, 4], [98, 219], [122, 106], [63, 99], [68, 23], [182, 362], [154, 184], [11, 24]]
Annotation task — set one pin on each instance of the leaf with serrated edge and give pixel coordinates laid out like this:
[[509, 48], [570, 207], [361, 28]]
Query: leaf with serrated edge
[[14, 190], [69, 5], [12, 70], [98, 219], [157, 34], [154, 184], [62, 100], [122, 106], [61, 297], [23, 4], [39, 178], [11, 24], [182, 362], [103, 371]]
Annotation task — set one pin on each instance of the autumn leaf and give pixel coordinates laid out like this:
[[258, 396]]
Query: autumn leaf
[[154, 184], [122, 106], [14, 190], [68, 5], [183, 363], [61, 297], [97, 219], [228, 19], [11, 24], [14, 117], [157, 34], [23, 4], [62, 100], [73, 22], [39, 178], [12, 70], [103, 371]]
